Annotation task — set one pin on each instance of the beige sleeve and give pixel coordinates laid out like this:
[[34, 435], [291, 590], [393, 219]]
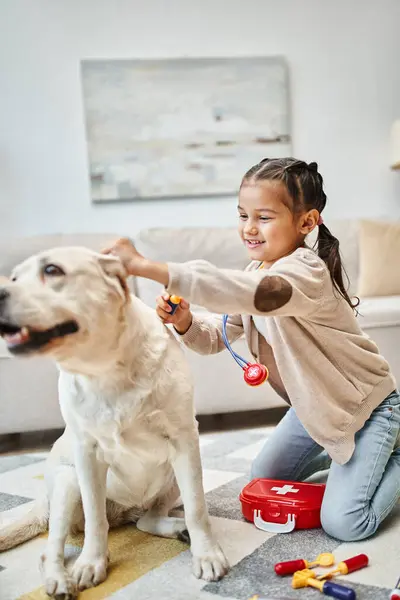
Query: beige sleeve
[[204, 336], [293, 286]]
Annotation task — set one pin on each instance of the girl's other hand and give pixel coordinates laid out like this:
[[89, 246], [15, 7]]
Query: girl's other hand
[[182, 317]]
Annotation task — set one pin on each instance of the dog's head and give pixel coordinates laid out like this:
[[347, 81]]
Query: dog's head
[[60, 300]]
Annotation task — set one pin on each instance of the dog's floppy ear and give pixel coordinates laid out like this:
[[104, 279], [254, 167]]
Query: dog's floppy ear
[[115, 272]]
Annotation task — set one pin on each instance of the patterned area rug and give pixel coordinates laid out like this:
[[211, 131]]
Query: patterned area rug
[[150, 568]]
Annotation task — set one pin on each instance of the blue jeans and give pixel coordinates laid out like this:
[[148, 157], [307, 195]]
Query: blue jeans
[[360, 494]]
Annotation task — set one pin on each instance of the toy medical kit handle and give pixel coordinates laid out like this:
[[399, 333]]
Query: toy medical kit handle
[[174, 302], [274, 527]]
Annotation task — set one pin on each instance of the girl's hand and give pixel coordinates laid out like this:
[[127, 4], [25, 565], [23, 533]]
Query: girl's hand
[[132, 260], [181, 319]]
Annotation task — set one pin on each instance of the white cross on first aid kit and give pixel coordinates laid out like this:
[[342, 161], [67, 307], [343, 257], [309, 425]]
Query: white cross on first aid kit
[[285, 489]]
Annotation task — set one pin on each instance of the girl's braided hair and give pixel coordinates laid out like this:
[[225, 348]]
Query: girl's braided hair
[[305, 186]]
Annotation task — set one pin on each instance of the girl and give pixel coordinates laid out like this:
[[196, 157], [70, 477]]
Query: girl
[[299, 321]]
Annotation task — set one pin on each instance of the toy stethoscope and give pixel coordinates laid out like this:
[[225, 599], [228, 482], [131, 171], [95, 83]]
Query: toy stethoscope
[[253, 373]]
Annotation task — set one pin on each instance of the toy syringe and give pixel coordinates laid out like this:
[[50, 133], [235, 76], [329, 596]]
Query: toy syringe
[[348, 566], [291, 566]]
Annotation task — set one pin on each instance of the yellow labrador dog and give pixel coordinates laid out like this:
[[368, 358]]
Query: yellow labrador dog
[[131, 446]]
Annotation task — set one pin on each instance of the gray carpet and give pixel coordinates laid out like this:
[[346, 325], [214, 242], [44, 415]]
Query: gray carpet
[[226, 460]]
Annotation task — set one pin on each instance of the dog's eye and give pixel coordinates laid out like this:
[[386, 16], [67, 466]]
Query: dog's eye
[[53, 271]]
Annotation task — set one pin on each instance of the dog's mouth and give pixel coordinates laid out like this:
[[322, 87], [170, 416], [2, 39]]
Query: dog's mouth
[[24, 339]]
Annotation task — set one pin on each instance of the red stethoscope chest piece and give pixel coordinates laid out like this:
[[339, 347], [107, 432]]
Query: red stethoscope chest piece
[[255, 374]]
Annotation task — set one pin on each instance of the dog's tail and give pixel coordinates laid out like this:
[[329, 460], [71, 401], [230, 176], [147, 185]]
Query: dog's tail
[[33, 523]]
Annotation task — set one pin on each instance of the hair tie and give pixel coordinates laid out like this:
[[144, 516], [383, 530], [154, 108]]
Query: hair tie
[[320, 221], [296, 166], [313, 166]]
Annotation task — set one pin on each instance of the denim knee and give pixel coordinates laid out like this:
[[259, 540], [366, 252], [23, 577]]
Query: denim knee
[[348, 525], [263, 469], [257, 470], [254, 471]]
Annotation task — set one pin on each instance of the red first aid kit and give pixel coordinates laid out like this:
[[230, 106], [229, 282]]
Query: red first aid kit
[[282, 506]]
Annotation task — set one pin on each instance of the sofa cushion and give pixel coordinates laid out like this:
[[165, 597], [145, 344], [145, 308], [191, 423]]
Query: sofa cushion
[[15, 250], [4, 353], [346, 231], [379, 312], [222, 247], [379, 258], [28, 395]]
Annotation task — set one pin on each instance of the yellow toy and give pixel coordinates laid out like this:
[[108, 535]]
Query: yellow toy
[[307, 578]]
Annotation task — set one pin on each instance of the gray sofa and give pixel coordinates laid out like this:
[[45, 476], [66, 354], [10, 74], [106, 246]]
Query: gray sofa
[[28, 387]]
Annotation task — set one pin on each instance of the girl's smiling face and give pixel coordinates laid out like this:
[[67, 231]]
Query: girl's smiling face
[[267, 225]]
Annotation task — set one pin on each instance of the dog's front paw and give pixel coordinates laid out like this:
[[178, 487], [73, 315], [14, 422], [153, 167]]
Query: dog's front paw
[[211, 565], [57, 582], [89, 572], [61, 588]]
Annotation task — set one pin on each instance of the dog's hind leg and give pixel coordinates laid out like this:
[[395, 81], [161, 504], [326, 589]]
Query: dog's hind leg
[[163, 526], [64, 502], [157, 522], [30, 525]]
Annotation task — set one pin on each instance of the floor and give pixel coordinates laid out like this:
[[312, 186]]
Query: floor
[[151, 568]]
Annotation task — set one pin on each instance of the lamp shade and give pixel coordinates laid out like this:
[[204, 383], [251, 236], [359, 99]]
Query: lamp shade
[[395, 145]]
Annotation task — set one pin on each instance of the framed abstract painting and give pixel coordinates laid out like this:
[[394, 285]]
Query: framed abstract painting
[[181, 127]]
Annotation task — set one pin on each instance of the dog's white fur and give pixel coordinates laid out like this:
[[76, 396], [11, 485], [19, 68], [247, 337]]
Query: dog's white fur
[[131, 444]]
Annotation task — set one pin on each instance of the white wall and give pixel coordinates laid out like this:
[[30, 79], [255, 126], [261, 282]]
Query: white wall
[[345, 89]]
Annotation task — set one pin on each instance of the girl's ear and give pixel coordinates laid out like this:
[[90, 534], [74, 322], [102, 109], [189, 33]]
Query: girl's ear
[[309, 221]]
